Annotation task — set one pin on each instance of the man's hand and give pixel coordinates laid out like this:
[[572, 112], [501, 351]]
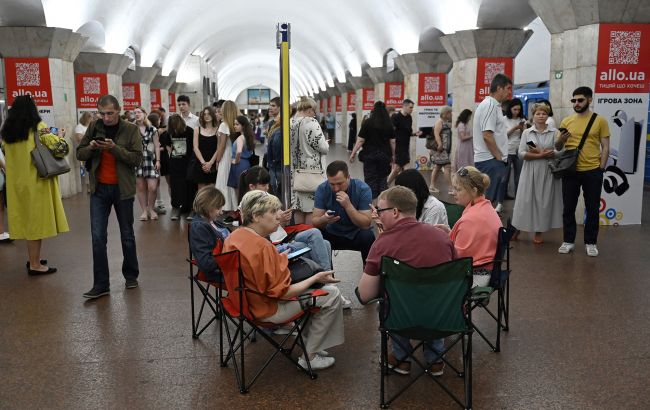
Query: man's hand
[[330, 219], [98, 144], [343, 199]]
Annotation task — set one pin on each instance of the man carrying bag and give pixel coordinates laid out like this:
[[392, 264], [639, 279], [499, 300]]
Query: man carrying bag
[[593, 152]]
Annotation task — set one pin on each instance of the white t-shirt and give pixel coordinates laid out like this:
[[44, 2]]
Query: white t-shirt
[[550, 122], [80, 129], [224, 129], [489, 117], [515, 137], [191, 121]]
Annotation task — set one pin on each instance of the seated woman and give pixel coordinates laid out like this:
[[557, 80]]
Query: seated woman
[[205, 231], [429, 210], [266, 273], [475, 233]]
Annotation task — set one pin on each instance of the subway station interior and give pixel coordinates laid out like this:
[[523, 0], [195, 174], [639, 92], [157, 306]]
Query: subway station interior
[[576, 333]]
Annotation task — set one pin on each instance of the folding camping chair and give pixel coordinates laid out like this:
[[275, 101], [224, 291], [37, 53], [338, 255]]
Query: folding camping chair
[[499, 283], [454, 212], [235, 309], [425, 304], [206, 289]]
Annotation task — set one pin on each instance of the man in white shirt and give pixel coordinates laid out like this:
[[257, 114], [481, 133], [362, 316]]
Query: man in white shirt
[[190, 119], [490, 134]]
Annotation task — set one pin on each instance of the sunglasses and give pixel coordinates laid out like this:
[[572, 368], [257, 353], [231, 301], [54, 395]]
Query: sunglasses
[[577, 100], [463, 172]]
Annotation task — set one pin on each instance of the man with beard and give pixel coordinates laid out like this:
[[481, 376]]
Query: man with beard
[[589, 169]]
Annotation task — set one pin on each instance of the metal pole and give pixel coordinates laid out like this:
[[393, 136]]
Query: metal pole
[[283, 39]]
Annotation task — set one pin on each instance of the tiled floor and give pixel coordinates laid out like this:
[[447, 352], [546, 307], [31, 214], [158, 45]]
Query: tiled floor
[[578, 339]]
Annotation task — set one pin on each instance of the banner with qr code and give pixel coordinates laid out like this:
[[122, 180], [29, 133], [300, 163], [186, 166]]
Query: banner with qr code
[[131, 95], [621, 96], [30, 76], [431, 89], [368, 99], [351, 103], [156, 99], [89, 87], [486, 69], [394, 94], [172, 103]]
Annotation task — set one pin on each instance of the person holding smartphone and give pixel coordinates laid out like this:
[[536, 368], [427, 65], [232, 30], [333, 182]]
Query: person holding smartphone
[[538, 206], [515, 124]]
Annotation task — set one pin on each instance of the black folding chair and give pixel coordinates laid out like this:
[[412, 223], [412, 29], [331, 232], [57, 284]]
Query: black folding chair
[[499, 283]]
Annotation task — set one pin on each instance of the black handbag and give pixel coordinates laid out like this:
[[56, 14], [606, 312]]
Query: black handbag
[[302, 268], [565, 163]]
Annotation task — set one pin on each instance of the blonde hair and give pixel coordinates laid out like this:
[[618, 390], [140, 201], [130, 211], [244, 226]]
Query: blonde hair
[[472, 179], [229, 113], [444, 110], [541, 107], [85, 118], [305, 103], [401, 198], [207, 199], [257, 202]]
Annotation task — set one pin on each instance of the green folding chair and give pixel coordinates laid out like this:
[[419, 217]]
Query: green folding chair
[[454, 212], [425, 304]]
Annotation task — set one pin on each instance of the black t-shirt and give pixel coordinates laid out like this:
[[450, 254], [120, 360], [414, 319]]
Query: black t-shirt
[[181, 145], [403, 128], [111, 130], [376, 139]]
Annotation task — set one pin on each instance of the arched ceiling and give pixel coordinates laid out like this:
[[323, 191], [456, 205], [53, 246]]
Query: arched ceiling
[[238, 39]]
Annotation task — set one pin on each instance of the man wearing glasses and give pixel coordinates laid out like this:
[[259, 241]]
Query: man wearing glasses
[[112, 148], [589, 169]]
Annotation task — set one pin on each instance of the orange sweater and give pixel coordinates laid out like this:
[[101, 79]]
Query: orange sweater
[[475, 233], [265, 270]]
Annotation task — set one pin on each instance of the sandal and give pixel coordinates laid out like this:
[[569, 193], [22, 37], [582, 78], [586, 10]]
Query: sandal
[[144, 216], [153, 215], [538, 239]]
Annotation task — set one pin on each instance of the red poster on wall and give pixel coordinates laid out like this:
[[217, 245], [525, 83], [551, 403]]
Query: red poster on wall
[[131, 95], [431, 89], [394, 94], [172, 103], [351, 101], [623, 58], [339, 106], [89, 87], [486, 69], [29, 76], [368, 99], [326, 106], [156, 99]]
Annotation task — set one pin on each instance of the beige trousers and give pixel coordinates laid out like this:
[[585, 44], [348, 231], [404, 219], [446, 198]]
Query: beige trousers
[[325, 328]]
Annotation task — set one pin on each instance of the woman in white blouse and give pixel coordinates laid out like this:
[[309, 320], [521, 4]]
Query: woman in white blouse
[[429, 210]]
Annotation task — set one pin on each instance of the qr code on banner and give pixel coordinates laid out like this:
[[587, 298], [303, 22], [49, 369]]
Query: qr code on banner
[[395, 91], [492, 69], [28, 75], [128, 93], [624, 47], [432, 85], [91, 85], [371, 96]]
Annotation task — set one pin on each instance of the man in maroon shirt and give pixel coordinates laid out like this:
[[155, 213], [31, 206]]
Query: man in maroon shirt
[[415, 243]]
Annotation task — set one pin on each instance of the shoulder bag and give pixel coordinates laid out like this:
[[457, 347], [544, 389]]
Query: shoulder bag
[[46, 164], [565, 163], [307, 180]]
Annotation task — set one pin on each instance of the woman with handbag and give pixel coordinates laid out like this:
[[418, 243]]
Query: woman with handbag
[[34, 204], [441, 150], [308, 146], [147, 174], [377, 137]]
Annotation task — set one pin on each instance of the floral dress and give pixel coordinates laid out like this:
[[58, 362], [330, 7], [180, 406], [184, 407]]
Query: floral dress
[[308, 146], [442, 158], [147, 167]]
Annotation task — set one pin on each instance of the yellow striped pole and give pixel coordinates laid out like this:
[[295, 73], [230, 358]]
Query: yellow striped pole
[[283, 43]]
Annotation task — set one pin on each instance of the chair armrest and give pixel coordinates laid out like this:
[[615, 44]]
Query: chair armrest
[[375, 300], [481, 292], [312, 294]]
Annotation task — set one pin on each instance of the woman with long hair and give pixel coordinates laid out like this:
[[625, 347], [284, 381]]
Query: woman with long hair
[[147, 174], [516, 124], [229, 113], [378, 141], [440, 155], [465, 147], [203, 169], [243, 146], [429, 209], [34, 206]]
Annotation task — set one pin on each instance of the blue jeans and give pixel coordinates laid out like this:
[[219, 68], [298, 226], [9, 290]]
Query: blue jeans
[[513, 163], [495, 169], [432, 349], [321, 250], [101, 201], [276, 181]]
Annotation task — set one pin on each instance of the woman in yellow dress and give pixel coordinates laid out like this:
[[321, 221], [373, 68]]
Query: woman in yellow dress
[[34, 204]]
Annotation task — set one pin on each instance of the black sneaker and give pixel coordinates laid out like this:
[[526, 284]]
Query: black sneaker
[[131, 283], [95, 293]]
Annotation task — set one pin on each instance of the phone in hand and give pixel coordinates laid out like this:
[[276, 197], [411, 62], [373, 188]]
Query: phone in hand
[[331, 213], [102, 139], [531, 144], [562, 129], [54, 130]]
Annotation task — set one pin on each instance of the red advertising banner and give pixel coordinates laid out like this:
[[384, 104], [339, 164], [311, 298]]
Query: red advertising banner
[[326, 105], [431, 89], [131, 95], [351, 101], [156, 99], [172, 103], [486, 69], [394, 94], [89, 87], [623, 63], [339, 106], [28, 76], [368, 99]]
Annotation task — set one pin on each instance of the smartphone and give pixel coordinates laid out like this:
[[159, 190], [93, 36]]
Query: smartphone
[[331, 213], [562, 129], [102, 139], [54, 130], [531, 144]]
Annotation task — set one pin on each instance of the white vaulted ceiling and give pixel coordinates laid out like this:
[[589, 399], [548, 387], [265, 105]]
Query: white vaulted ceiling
[[237, 39]]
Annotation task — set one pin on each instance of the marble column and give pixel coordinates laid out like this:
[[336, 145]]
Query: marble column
[[380, 77], [332, 93], [61, 47], [113, 65], [163, 83], [344, 89], [143, 76], [359, 84]]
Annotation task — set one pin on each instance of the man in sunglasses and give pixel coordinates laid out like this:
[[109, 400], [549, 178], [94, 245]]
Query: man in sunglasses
[[589, 169], [112, 148]]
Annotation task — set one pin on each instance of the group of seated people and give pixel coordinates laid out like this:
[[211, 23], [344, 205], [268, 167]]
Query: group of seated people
[[407, 224]]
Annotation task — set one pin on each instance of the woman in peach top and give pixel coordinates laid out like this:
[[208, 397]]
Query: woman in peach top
[[475, 233], [266, 272]]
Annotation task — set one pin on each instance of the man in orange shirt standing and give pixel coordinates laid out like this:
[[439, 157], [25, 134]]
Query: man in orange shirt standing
[[112, 148]]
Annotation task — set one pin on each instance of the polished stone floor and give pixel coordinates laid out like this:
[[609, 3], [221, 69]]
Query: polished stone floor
[[578, 339]]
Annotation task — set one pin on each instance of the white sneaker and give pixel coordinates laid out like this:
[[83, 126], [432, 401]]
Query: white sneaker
[[347, 303], [323, 353], [592, 250], [317, 363], [567, 247], [4, 235], [499, 208]]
